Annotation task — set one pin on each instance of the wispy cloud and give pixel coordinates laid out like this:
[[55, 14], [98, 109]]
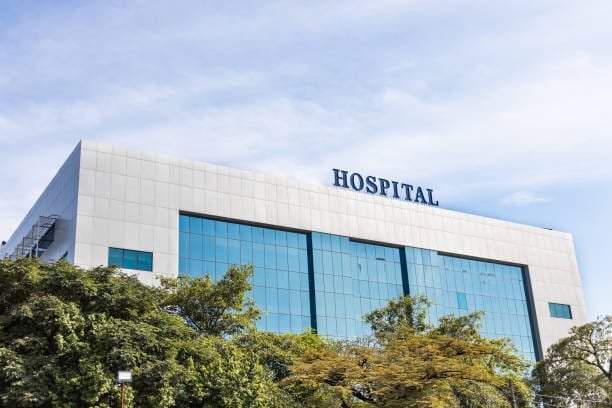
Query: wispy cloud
[[478, 99], [467, 97], [522, 198]]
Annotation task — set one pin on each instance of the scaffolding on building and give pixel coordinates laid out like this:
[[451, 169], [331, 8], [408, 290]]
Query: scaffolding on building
[[37, 240]]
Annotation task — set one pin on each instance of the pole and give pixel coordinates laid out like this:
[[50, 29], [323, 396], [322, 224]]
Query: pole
[[514, 403], [122, 394]]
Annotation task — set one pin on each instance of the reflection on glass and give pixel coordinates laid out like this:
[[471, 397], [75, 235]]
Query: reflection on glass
[[461, 286], [280, 281]]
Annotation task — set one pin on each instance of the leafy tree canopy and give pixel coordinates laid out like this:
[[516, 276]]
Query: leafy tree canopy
[[414, 365], [214, 308], [65, 332], [192, 342], [576, 371]]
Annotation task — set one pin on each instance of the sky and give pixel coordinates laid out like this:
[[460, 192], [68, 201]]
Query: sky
[[504, 108]]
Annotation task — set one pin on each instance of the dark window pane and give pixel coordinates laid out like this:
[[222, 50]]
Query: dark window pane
[[145, 261], [115, 256], [560, 310], [130, 259]]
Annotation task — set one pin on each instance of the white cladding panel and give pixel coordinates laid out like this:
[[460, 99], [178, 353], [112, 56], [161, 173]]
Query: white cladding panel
[[131, 199]]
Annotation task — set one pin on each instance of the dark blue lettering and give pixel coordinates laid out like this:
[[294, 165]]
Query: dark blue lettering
[[384, 185], [419, 194], [395, 194], [358, 176], [407, 188], [372, 187], [430, 194], [337, 178]]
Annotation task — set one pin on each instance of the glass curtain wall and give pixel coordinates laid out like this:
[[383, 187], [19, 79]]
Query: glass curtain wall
[[461, 286], [352, 279], [280, 260]]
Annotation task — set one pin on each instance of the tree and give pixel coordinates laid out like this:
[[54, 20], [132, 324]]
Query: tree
[[65, 332], [277, 353], [413, 365], [214, 308], [576, 371], [405, 313]]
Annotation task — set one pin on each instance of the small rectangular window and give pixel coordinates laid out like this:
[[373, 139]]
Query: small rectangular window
[[115, 256], [560, 310], [129, 259]]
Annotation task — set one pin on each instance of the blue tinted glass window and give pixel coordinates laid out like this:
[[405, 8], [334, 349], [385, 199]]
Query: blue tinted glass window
[[220, 250], [281, 238], [560, 310], [221, 229], [292, 240], [145, 261], [196, 267], [460, 286], [195, 246], [461, 301], [184, 223], [183, 243], [245, 233], [258, 255], [208, 227], [233, 231], [183, 266], [279, 258], [208, 249], [129, 259], [195, 225], [351, 279], [115, 256], [257, 234], [233, 251], [302, 241], [269, 236]]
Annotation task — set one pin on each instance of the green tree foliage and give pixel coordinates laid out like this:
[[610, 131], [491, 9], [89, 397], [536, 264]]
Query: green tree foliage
[[214, 308], [414, 364], [405, 313], [577, 370], [65, 332]]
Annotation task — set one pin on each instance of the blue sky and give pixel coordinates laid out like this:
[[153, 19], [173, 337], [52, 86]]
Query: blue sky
[[503, 107]]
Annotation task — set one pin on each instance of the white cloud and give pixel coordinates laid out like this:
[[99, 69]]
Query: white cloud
[[523, 198], [492, 101]]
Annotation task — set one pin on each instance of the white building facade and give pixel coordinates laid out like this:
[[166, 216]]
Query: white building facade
[[323, 255]]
